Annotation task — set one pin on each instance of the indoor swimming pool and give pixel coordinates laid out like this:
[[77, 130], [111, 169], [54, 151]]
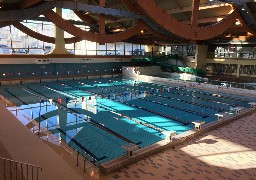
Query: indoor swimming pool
[[96, 117]]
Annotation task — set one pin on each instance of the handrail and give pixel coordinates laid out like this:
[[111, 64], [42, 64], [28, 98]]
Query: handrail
[[27, 165], [93, 161]]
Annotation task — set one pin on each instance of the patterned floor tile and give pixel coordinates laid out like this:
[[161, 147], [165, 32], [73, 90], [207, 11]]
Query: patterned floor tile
[[225, 153]]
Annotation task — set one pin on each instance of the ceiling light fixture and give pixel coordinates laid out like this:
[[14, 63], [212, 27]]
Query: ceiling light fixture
[[237, 22]]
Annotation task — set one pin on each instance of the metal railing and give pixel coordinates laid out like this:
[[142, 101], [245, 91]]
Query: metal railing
[[18, 170], [86, 158]]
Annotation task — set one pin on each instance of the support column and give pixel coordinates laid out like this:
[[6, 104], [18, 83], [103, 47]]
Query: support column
[[200, 57], [238, 70], [59, 38], [163, 50], [151, 50], [102, 21], [195, 11]]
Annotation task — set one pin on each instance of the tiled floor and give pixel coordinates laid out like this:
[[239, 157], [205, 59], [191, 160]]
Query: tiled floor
[[225, 153]]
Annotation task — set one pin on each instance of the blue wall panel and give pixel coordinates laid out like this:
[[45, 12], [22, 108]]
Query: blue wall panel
[[43, 70]]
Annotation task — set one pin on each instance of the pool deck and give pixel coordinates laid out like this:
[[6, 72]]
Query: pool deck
[[225, 153], [163, 145], [232, 78]]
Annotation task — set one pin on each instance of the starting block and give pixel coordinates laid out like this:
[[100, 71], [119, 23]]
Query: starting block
[[166, 89], [198, 124], [169, 135], [220, 115], [252, 105], [129, 148], [237, 109]]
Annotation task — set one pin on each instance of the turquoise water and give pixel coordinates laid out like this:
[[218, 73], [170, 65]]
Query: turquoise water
[[116, 112]]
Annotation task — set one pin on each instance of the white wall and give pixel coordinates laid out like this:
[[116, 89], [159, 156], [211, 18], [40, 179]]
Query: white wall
[[135, 71]]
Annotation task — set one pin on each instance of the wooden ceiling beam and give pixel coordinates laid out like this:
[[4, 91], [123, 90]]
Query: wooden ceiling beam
[[201, 7], [27, 3], [206, 20]]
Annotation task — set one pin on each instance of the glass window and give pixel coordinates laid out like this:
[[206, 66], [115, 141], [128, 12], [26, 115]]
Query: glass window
[[19, 41], [120, 48], [48, 47], [5, 40], [80, 48], [136, 50], [35, 43], [70, 15], [101, 49], [67, 14], [69, 47], [143, 47], [91, 48], [14, 41], [48, 29], [110, 48], [35, 46], [128, 48]]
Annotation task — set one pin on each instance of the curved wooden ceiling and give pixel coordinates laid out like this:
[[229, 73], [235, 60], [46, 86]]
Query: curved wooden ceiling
[[171, 17]]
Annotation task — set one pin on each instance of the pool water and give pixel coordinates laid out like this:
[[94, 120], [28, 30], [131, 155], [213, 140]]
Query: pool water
[[115, 112]]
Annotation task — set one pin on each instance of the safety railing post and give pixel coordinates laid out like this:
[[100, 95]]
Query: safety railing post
[[37, 173], [32, 172], [16, 170], [21, 171], [11, 169], [4, 170], [27, 170], [84, 164], [77, 156]]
